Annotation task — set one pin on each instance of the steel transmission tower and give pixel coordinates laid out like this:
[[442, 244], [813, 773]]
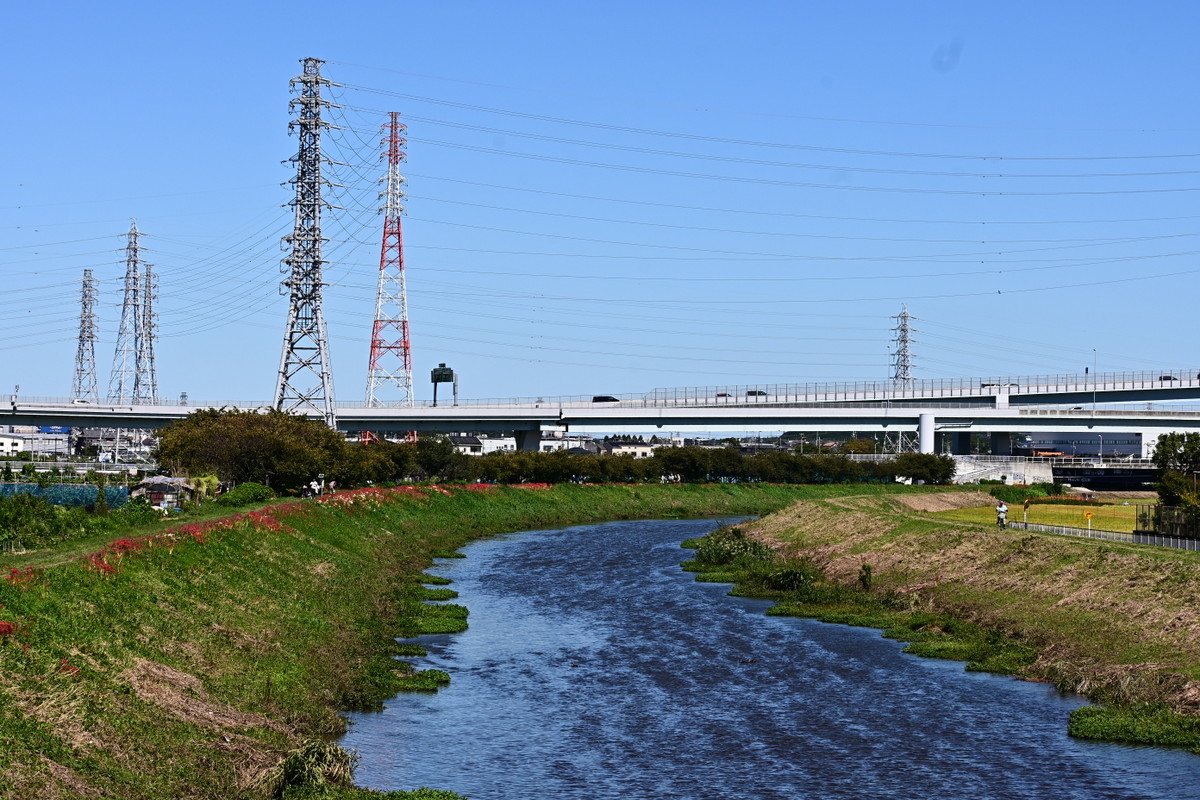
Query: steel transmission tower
[[122, 382], [903, 364], [305, 382], [83, 386], [145, 380], [391, 352]]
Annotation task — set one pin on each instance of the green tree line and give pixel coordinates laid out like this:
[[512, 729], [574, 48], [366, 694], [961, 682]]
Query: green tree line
[[286, 452]]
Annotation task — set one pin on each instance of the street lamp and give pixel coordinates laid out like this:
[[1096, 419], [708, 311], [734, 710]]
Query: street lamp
[[1093, 381]]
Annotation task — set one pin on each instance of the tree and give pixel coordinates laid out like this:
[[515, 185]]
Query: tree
[[925, 467], [101, 506], [272, 447], [861, 446], [436, 457], [1177, 456]]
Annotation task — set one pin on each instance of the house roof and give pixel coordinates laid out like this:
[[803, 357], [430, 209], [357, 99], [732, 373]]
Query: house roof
[[159, 479]]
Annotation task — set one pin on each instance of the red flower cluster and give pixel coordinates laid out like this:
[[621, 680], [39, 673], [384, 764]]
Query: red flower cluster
[[102, 561], [533, 486], [480, 487], [21, 577], [7, 629], [372, 496], [65, 667], [369, 496]]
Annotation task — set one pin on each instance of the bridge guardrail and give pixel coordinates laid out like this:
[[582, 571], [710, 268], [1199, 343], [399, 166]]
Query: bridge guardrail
[[826, 391]]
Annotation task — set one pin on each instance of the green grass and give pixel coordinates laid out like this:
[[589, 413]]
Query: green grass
[[198, 661], [1105, 517], [1154, 725]]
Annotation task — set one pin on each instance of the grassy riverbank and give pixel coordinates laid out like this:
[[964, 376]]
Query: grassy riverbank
[[184, 663], [1119, 624]]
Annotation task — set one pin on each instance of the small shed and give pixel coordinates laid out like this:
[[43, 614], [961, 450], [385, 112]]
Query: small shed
[[163, 491]]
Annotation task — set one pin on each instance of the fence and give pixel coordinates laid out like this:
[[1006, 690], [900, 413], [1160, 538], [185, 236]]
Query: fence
[[1171, 521], [1161, 526], [68, 494], [1065, 530]]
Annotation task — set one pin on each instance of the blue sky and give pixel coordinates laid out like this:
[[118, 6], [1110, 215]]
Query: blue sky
[[610, 198]]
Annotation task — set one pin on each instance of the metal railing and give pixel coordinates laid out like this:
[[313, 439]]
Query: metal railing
[[1170, 521], [1068, 530], [820, 393]]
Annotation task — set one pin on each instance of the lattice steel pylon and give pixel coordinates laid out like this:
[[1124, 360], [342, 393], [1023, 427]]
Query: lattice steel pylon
[[145, 379], [902, 376], [305, 381], [123, 379], [83, 385], [391, 350]]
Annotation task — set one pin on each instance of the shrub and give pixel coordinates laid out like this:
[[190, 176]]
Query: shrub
[[315, 763], [732, 546], [137, 512], [1016, 494], [245, 494]]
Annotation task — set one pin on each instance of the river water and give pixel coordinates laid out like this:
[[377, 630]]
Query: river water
[[594, 668]]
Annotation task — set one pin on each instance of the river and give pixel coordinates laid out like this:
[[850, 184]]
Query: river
[[595, 669]]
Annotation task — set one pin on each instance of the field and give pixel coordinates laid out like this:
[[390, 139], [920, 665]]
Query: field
[[1105, 517]]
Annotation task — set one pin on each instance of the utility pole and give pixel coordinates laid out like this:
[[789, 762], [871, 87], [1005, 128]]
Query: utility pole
[[391, 351], [902, 376], [83, 385], [305, 382], [125, 369]]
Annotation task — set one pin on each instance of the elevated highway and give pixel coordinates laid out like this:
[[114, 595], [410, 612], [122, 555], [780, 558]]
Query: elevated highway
[[996, 406]]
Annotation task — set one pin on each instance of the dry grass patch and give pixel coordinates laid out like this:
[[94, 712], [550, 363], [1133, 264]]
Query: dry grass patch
[[945, 501], [182, 696], [58, 707]]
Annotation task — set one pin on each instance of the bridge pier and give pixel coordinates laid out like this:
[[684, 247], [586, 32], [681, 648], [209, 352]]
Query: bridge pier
[[925, 433], [529, 440], [1002, 444]]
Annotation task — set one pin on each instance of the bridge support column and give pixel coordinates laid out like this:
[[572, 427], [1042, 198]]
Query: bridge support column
[[529, 440], [1002, 444], [925, 430]]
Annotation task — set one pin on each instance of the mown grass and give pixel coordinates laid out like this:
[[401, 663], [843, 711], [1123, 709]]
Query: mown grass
[[1105, 516], [185, 666]]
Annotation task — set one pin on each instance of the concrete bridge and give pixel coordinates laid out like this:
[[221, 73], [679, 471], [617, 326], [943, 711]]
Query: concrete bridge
[[932, 410]]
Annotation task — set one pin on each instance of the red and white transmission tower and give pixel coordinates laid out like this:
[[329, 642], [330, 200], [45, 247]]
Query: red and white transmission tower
[[391, 353]]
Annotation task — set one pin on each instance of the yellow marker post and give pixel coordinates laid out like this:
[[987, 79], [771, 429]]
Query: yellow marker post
[[1088, 516]]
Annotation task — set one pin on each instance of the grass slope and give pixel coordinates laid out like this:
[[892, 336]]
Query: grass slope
[[185, 663], [1119, 624]]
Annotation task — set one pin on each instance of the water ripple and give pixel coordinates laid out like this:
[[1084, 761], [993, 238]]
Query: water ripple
[[594, 668]]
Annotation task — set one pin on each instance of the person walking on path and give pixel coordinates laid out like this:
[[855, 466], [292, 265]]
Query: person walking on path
[[1001, 515]]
